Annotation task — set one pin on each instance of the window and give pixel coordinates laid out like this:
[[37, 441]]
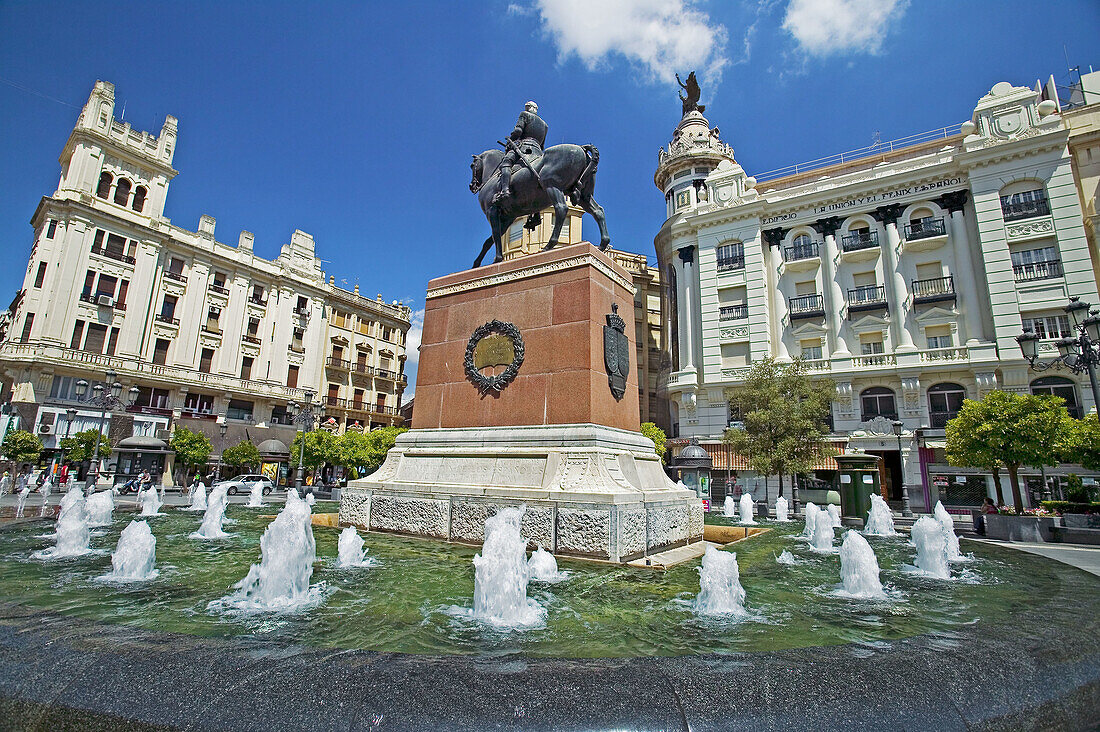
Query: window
[[808, 287], [364, 326], [175, 266], [246, 367], [292, 376], [939, 336], [1048, 327], [78, 334], [155, 398], [51, 229], [168, 308], [253, 327], [515, 232], [279, 414], [160, 351], [357, 400], [139, 199], [380, 402], [731, 257], [89, 283], [212, 317], [944, 402], [878, 401], [122, 192], [296, 343], [206, 358], [302, 307], [198, 403], [96, 338], [1036, 264], [387, 333], [1059, 387], [40, 276], [123, 288], [239, 409], [112, 342], [104, 188], [333, 395], [361, 362], [340, 319], [337, 353], [1024, 205], [28, 323], [257, 294], [871, 344], [811, 349], [219, 280], [116, 246], [106, 286]]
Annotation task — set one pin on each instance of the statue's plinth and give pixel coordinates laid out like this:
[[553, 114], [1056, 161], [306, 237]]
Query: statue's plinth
[[554, 438]]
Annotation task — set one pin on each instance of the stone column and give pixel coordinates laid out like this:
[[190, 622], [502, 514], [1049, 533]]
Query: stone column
[[966, 285], [888, 215], [833, 294], [686, 307], [773, 258]]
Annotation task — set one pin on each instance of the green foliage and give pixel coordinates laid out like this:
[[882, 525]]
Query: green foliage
[[1064, 507], [192, 448], [1009, 429], [1082, 442], [351, 450], [22, 447], [81, 446], [380, 442], [658, 436], [243, 454], [352, 474], [321, 447], [1077, 491], [784, 412]]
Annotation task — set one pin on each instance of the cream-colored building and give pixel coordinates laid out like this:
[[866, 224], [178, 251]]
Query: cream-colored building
[[903, 272], [206, 331]]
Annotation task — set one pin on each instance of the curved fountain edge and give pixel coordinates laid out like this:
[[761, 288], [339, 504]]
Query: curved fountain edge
[[1042, 670]]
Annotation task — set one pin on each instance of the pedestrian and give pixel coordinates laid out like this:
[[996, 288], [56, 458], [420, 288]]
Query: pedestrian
[[5, 484]]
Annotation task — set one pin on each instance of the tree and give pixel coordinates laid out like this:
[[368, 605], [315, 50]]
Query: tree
[[80, 447], [243, 454], [22, 447], [658, 436], [192, 448], [1082, 442], [784, 412], [379, 443], [321, 447], [1011, 430]]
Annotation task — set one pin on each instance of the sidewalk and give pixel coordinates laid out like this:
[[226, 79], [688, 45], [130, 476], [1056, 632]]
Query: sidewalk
[[1082, 557]]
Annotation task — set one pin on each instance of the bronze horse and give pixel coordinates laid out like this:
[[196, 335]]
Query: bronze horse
[[563, 170]]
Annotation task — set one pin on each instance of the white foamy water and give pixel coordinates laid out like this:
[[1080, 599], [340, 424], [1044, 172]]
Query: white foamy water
[[810, 512], [880, 520], [150, 502], [501, 575], [823, 536], [834, 515], [543, 567], [211, 527], [21, 502], [198, 497], [350, 550], [100, 508], [720, 591], [729, 507], [951, 539], [781, 510], [785, 557], [256, 495], [931, 546], [134, 558], [859, 571], [73, 534], [746, 509]]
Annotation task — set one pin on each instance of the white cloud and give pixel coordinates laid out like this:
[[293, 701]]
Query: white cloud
[[412, 352], [826, 27], [661, 36]]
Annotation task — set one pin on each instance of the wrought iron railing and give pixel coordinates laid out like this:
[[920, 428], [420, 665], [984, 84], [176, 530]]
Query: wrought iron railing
[[934, 288], [806, 304], [728, 264], [800, 253], [924, 229], [867, 296], [733, 312], [859, 240], [165, 318], [1045, 270], [1017, 210], [175, 276], [117, 256]]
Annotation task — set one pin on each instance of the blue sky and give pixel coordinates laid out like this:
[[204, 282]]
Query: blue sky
[[356, 121]]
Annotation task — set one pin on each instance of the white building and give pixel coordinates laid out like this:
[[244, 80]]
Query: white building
[[903, 272], [206, 331]]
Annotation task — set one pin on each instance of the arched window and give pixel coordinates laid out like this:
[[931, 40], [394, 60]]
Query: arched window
[[731, 256], [105, 181], [944, 402], [802, 240], [122, 192], [1060, 387], [878, 401], [1023, 200], [923, 224], [139, 199]]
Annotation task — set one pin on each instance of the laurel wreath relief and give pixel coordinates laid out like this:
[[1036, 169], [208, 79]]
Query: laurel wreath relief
[[496, 383]]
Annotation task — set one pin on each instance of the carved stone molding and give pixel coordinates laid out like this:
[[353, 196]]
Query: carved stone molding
[[503, 277], [827, 226], [1034, 227], [741, 331]]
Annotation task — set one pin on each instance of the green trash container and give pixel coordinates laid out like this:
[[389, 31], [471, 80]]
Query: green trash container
[[857, 478]]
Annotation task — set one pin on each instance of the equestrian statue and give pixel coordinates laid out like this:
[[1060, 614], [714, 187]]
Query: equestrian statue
[[541, 178]]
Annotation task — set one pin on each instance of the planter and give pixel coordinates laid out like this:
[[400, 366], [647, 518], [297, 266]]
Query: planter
[[1019, 528], [1081, 520]]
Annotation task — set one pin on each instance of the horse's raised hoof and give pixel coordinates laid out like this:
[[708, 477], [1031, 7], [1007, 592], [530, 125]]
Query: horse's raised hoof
[[605, 245]]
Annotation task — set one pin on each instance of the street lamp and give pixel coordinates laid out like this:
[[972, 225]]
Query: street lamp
[[906, 509], [223, 427], [1077, 353], [104, 401], [304, 415]]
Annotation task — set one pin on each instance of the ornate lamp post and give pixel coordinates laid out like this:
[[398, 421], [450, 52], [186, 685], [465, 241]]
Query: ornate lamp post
[[223, 427], [104, 401], [304, 415], [906, 509], [1078, 353]]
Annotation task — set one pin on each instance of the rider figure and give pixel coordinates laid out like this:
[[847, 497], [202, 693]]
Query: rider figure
[[529, 136]]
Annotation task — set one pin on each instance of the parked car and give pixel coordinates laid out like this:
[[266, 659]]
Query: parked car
[[243, 484]]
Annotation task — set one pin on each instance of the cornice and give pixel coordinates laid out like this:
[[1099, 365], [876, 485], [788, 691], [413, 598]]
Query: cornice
[[1023, 146], [115, 148], [582, 260]]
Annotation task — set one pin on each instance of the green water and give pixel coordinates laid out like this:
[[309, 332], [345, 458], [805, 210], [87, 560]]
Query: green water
[[402, 604]]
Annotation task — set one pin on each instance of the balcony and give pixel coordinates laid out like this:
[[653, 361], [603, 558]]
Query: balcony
[[951, 353], [338, 363], [212, 330], [117, 256], [298, 348], [729, 264], [867, 297], [146, 409], [925, 229], [874, 360], [175, 277], [255, 340], [166, 318], [108, 301], [198, 414], [806, 306], [352, 405], [1047, 270], [220, 289], [939, 420], [807, 256], [733, 312], [1025, 209], [868, 416], [386, 374], [257, 301], [934, 289], [859, 241]]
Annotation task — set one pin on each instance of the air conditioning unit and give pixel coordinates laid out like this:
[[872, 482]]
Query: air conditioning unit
[[106, 301], [45, 429], [165, 435]]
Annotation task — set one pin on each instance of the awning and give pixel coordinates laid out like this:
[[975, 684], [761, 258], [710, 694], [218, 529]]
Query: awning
[[726, 459]]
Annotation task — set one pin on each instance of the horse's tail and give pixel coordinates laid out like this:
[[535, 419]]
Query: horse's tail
[[592, 155]]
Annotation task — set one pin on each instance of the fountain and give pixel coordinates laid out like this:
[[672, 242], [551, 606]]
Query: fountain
[[280, 582], [198, 497], [781, 510], [542, 567], [951, 541], [45, 491], [72, 529], [746, 509], [311, 499], [823, 536], [834, 515], [150, 502], [880, 520], [5, 485], [135, 556], [931, 548], [785, 557], [729, 507], [256, 495], [22, 501], [350, 550], [720, 591], [211, 527], [501, 575], [811, 512], [859, 568], [100, 508]]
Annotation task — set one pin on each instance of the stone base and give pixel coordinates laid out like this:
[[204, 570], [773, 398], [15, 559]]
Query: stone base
[[590, 491]]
